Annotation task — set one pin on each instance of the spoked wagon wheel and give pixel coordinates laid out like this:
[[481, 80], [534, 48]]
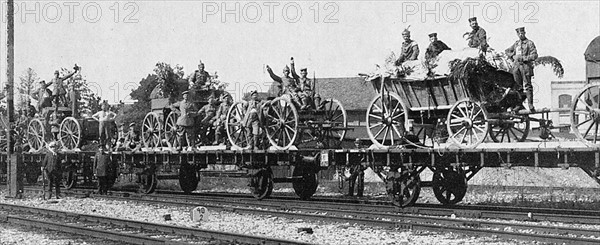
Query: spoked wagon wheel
[[509, 128], [148, 182], [281, 123], [69, 179], [70, 133], [386, 116], [305, 182], [36, 135], [170, 131], [585, 115], [467, 123], [334, 123], [151, 130], [449, 185], [261, 184], [236, 131], [404, 188], [188, 178]]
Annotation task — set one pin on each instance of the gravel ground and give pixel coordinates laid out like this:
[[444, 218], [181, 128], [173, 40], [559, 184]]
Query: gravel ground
[[272, 226], [11, 235]]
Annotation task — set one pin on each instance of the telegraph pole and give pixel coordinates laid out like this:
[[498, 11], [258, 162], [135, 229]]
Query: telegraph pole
[[15, 179]]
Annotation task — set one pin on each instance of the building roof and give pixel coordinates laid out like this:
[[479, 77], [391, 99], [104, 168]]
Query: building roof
[[592, 53]]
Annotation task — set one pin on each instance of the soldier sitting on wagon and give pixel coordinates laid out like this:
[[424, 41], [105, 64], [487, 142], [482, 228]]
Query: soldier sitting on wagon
[[251, 120], [221, 117], [410, 49], [435, 47], [185, 122], [200, 80], [286, 84], [303, 86], [477, 37], [55, 120], [208, 117], [132, 139]]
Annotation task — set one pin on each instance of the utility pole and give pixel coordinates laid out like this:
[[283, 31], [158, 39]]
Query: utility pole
[[15, 179]]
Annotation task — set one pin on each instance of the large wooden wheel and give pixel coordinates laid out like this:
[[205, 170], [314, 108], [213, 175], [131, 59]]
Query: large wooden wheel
[[237, 134], [334, 123], [403, 188], [70, 133], [261, 184], [449, 185], [170, 132], [305, 182], [386, 120], [509, 128], [281, 123], [467, 123], [151, 130], [188, 178], [36, 135], [585, 115]]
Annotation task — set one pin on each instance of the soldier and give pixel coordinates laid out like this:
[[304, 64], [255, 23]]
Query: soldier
[[208, 114], [221, 117], [410, 49], [185, 122], [106, 118], [51, 166], [200, 78], [303, 86], [101, 163], [55, 120], [286, 84], [132, 139], [477, 37], [523, 53], [435, 47], [251, 121], [357, 174], [43, 95], [60, 91]]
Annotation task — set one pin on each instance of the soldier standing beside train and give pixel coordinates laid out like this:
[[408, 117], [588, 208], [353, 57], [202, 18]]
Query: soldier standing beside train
[[357, 175], [185, 122], [51, 167], [523, 53], [101, 163]]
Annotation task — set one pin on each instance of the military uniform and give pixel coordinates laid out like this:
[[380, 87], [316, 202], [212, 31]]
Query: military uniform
[[185, 122], [286, 84], [101, 164], [303, 88], [478, 39], [199, 80], [251, 122], [44, 96], [208, 113], [524, 53], [60, 91], [105, 119], [220, 119], [52, 167], [410, 51], [435, 48]]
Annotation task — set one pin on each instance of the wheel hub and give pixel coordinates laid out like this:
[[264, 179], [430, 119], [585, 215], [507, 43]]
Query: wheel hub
[[467, 123], [595, 114]]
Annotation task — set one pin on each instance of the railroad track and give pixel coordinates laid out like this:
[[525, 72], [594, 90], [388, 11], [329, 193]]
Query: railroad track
[[121, 230]]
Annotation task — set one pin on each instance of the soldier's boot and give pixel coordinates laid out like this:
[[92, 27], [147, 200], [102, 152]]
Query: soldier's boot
[[255, 142], [350, 188], [361, 184], [529, 94]]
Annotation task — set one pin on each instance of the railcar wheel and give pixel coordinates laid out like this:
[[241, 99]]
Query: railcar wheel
[[237, 133], [261, 184], [585, 115], [148, 183], [281, 123], [170, 131], [36, 135], [151, 130], [188, 178], [333, 123], [306, 183], [449, 186], [467, 123], [514, 128], [404, 188], [70, 133], [386, 115], [69, 179]]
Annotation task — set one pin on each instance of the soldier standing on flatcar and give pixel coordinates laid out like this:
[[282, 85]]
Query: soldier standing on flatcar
[[101, 163], [523, 52], [43, 95], [477, 37], [199, 79], [105, 118], [357, 174], [185, 122], [55, 120], [207, 113], [303, 86], [410, 49], [51, 166], [435, 47], [251, 121], [221, 117], [60, 91]]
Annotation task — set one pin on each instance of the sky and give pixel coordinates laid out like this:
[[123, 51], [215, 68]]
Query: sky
[[117, 43]]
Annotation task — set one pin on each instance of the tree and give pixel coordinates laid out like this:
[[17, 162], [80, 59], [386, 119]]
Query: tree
[[167, 79], [87, 101], [142, 106], [29, 79]]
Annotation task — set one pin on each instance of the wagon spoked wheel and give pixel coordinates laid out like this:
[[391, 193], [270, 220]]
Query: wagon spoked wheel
[[585, 115], [171, 135], [334, 123], [69, 179], [70, 133], [467, 123], [404, 189], [281, 123], [513, 128], [147, 183], [188, 178], [449, 186], [237, 134], [305, 182], [36, 135], [261, 184], [386, 120], [151, 130]]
